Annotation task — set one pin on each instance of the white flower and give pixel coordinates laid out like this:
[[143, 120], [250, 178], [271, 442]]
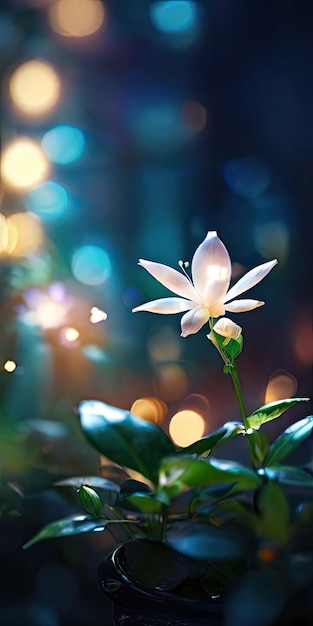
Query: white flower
[[206, 295], [227, 328]]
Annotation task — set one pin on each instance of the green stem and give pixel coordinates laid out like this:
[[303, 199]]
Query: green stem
[[125, 523], [237, 386], [232, 369]]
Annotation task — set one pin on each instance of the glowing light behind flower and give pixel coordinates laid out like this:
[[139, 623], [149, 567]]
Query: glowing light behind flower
[[76, 18], [34, 88], [150, 409], [23, 164], [49, 200], [281, 385], [63, 144], [186, 426], [91, 265]]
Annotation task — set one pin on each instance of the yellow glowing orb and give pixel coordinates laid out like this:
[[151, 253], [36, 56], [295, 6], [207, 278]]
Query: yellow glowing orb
[[281, 385], [76, 18], [23, 164], [25, 234], [9, 366], [150, 409], [34, 88], [71, 334], [186, 427]]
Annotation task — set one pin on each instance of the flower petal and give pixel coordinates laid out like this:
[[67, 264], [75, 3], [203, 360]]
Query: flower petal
[[165, 306], [172, 279], [192, 321], [239, 306], [227, 328], [250, 279], [211, 269]]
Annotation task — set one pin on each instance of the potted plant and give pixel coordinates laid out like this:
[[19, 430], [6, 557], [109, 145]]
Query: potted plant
[[207, 539]]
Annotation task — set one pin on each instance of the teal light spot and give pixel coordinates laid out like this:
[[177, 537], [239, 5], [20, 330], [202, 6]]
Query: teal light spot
[[177, 16], [63, 144], [48, 200], [91, 265]]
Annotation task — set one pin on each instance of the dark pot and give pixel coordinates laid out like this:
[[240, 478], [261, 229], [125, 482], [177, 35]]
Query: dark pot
[[136, 605]]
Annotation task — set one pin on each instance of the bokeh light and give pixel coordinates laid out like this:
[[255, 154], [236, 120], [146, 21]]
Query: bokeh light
[[91, 265], [63, 144], [186, 427], [34, 87], [76, 18], [164, 345], [248, 177], [272, 239], [196, 402], [97, 315], [281, 385], [23, 164], [47, 309], [69, 336], [158, 126], [150, 409], [95, 354], [194, 115], [174, 17], [171, 382], [49, 200], [9, 366], [8, 236], [302, 338], [25, 234]]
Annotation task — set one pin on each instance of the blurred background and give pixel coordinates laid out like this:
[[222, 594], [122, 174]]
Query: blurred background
[[129, 128]]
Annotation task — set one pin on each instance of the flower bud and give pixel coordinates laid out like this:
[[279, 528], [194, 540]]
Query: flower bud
[[226, 328], [90, 500]]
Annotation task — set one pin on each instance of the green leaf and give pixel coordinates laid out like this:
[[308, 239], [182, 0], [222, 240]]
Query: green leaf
[[177, 474], [288, 475], [270, 411], [144, 503], [72, 525], [289, 440], [90, 481], [274, 513], [207, 443], [204, 540], [231, 347], [124, 438], [90, 500], [234, 347]]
